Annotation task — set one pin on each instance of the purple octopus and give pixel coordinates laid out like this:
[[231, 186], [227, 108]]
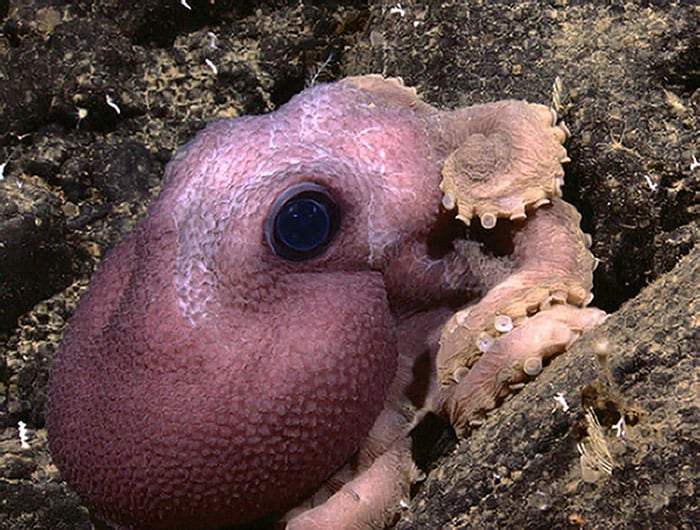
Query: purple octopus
[[303, 290]]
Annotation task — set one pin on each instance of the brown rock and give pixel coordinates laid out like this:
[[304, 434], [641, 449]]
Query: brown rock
[[629, 95]]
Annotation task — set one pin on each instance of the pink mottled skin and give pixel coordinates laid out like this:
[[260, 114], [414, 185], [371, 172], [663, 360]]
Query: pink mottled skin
[[207, 381]]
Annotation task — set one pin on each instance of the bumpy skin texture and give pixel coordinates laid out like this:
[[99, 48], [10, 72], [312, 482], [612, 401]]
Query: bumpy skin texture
[[206, 381]]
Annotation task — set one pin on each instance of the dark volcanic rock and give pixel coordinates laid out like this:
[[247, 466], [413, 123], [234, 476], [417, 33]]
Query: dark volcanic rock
[[95, 96], [35, 257]]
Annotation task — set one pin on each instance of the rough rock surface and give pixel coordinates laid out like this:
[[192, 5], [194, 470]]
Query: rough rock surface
[[35, 256], [629, 93], [522, 468]]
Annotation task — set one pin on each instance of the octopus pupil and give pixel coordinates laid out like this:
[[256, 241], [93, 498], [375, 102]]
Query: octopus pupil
[[302, 222]]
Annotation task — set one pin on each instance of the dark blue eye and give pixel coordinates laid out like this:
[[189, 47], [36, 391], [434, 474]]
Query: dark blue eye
[[302, 222]]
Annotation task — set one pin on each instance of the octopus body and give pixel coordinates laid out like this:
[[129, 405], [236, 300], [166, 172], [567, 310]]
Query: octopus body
[[252, 347]]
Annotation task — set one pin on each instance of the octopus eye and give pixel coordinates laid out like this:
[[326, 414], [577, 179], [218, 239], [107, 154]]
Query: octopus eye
[[302, 222]]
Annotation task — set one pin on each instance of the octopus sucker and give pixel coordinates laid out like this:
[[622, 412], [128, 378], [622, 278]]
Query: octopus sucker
[[518, 215], [503, 323], [484, 342], [488, 220], [448, 201], [532, 366]]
